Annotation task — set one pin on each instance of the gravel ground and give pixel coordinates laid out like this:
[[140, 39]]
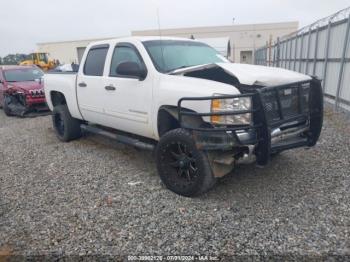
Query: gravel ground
[[94, 196]]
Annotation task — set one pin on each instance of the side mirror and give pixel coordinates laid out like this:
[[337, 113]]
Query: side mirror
[[1, 81], [131, 69]]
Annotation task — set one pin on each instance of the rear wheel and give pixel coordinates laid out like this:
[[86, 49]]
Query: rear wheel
[[66, 127], [183, 168]]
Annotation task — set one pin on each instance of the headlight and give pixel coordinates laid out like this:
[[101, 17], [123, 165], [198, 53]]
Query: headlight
[[231, 104]]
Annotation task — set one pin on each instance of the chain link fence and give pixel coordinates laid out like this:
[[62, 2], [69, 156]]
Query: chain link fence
[[320, 49]]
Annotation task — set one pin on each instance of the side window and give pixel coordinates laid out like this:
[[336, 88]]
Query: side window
[[123, 54], [95, 61]]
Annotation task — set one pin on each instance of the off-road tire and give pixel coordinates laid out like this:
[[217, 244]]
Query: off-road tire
[[6, 108], [174, 177], [66, 127]]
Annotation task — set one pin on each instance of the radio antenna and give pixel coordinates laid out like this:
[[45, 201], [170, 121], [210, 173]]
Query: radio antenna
[[160, 37]]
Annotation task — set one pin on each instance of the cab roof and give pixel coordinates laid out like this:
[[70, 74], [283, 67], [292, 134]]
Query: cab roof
[[132, 39]]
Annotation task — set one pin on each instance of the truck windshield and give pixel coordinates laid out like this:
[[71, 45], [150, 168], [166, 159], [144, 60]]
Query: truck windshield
[[169, 55], [22, 75]]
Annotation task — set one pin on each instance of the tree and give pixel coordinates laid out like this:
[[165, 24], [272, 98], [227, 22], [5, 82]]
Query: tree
[[12, 59]]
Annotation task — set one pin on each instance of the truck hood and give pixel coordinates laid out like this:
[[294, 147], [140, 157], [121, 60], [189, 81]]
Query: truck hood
[[25, 86], [252, 74]]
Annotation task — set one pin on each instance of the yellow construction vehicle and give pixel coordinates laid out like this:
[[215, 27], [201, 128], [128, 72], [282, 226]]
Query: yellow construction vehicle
[[41, 60]]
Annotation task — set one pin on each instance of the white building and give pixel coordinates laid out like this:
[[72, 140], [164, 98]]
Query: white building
[[237, 42], [66, 51]]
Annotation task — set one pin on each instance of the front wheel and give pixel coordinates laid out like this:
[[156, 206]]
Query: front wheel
[[7, 101], [66, 127], [183, 168]]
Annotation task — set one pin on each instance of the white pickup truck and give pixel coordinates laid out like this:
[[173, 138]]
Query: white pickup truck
[[201, 113]]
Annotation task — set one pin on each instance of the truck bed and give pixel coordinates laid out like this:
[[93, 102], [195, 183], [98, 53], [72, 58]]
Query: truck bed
[[64, 82]]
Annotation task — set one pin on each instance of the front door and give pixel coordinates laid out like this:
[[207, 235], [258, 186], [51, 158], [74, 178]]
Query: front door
[[128, 99]]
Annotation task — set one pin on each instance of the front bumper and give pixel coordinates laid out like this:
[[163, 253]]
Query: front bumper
[[21, 104], [284, 117]]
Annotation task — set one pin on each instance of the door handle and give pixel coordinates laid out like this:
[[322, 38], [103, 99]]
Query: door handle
[[82, 84], [110, 88]]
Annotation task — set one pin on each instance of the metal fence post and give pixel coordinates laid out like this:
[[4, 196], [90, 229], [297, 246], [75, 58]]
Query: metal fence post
[[308, 52], [280, 54], [340, 79], [274, 55], [270, 50], [301, 51], [326, 54], [286, 53], [316, 49], [295, 52], [278, 47], [283, 54], [290, 53]]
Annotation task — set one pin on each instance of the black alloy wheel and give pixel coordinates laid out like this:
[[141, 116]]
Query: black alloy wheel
[[183, 168]]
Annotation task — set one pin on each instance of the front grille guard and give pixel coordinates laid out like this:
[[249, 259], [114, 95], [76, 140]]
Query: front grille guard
[[311, 113]]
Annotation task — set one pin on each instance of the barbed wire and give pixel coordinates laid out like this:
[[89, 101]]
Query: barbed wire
[[338, 16]]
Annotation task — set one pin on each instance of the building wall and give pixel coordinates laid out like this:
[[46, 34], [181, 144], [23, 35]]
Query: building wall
[[244, 39], [65, 52]]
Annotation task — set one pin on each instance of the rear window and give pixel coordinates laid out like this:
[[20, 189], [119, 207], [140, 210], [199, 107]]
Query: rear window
[[95, 61]]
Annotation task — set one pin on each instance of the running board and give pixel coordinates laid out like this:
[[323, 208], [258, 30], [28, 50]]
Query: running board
[[285, 145], [120, 138]]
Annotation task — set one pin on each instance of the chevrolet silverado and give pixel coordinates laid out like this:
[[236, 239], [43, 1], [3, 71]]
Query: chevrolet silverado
[[201, 113]]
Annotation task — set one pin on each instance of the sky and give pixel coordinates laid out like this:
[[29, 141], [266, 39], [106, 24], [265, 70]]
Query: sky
[[23, 23]]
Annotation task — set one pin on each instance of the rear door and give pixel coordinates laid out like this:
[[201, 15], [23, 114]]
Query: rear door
[[128, 99], [90, 84]]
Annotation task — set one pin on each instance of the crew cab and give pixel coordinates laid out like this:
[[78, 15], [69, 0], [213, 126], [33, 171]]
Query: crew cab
[[202, 114], [21, 90]]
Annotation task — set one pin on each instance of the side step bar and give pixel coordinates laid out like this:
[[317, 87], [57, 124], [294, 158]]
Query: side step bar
[[120, 138], [285, 145]]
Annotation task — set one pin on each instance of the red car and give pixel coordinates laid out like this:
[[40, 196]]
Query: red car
[[21, 90]]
